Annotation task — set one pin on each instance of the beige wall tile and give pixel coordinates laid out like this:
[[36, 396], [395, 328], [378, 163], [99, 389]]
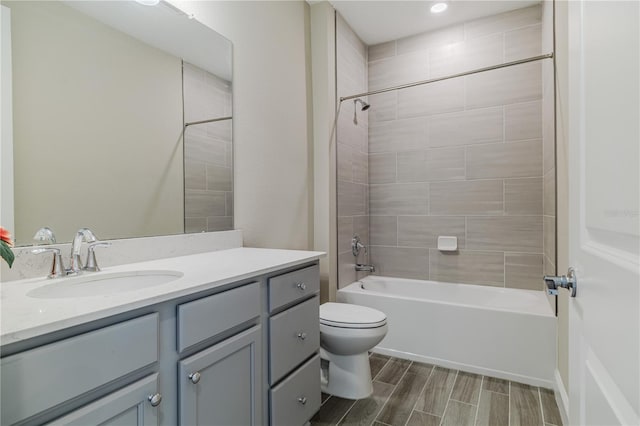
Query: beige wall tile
[[523, 43], [549, 190], [423, 41], [228, 204], [431, 165], [195, 224], [423, 231], [345, 162], [195, 175], [360, 167], [519, 83], [400, 69], [382, 50], [384, 230], [468, 267], [483, 51], [523, 196], [352, 135], [399, 199], [398, 135], [351, 199], [523, 271], [219, 223], [506, 233], [345, 233], [383, 107], [549, 267], [466, 127], [504, 160], [482, 197], [523, 121], [361, 229], [550, 237], [446, 59], [401, 262], [199, 147], [503, 22], [435, 98], [382, 168], [204, 203], [219, 178], [346, 269]]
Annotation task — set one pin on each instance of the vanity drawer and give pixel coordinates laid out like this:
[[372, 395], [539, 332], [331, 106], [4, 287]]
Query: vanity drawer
[[215, 314], [38, 379], [297, 398], [294, 336], [287, 288]]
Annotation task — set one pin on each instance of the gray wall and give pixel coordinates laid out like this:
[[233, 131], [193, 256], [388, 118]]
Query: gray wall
[[208, 150], [462, 157], [352, 161]]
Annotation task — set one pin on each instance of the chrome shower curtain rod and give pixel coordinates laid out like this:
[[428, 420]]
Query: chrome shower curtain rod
[[212, 120], [462, 74]]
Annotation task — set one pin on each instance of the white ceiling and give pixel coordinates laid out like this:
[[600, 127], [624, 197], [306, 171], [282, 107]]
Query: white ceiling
[[379, 21]]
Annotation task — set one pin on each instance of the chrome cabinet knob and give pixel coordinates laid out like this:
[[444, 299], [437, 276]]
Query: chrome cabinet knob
[[155, 399], [302, 400], [301, 286], [194, 377], [302, 335]]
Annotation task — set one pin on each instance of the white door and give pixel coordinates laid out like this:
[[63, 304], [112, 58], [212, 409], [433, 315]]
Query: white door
[[604, 140]]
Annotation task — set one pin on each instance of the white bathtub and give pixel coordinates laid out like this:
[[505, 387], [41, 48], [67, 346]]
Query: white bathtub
[[500, 332]]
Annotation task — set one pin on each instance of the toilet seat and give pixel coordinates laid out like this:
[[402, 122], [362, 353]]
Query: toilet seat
[[345, 315]]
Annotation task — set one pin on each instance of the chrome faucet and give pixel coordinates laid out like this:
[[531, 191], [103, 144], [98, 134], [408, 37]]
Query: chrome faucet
[[82, 235], [356, 246]]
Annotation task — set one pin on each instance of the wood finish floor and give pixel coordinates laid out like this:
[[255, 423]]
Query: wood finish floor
[[416, 394]]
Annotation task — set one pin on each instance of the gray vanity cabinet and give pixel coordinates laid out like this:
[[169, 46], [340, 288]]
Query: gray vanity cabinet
[[222, 385], [133, 405]]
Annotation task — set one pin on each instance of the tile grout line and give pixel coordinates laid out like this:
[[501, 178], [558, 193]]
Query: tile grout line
[[541, 406], [433, 367], [347, 412], [382, 406], [449, 398], [395, 387], [475, 420]]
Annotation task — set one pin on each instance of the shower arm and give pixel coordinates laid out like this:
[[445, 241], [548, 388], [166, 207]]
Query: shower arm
[[462, 74]]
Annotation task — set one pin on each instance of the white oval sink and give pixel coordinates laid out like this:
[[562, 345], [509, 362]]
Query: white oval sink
[[102, 284]]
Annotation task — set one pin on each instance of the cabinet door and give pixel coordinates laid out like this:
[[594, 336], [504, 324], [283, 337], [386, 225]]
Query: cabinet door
[[130, 406], [222, 385]]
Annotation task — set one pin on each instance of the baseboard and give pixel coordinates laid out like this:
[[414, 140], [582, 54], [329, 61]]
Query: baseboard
[[533, 381], [562, 398]]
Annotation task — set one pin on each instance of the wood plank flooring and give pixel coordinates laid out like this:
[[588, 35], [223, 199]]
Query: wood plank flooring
[[409, 393]]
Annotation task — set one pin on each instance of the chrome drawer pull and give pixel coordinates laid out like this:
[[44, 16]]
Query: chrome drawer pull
[[155, 399], [194, 377], [301, 286], [302, 335], [302, 400]]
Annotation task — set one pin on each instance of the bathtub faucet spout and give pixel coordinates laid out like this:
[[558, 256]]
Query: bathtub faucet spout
[[365, 268]]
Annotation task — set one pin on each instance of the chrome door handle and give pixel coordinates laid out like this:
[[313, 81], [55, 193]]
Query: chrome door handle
[[569, 281]]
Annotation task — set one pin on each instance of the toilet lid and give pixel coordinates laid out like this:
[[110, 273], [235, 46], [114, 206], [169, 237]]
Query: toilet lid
[[346, 315]]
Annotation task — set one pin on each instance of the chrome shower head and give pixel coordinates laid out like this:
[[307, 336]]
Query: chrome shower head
[[364, 106]]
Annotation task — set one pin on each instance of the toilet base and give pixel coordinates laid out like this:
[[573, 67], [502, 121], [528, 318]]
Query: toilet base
[[348, 376]]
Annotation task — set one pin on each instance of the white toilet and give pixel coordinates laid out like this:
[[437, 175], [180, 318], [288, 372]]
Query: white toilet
[[347, 333]]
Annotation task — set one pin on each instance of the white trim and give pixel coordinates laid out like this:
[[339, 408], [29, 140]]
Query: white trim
[[562, 398], [6, 114], [533, 381]]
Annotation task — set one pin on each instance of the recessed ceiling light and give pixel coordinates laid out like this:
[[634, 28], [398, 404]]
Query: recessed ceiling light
[[150, 2], [439, 7]]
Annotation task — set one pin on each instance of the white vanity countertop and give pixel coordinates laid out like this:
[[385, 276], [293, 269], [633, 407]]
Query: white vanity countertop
[[24, 317]]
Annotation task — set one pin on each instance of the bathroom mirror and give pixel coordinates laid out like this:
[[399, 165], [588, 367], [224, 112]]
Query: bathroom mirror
[[121, 120]]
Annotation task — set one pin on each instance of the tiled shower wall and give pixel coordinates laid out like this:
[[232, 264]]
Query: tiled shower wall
[[461, 157], [352, 161], [208, 152]]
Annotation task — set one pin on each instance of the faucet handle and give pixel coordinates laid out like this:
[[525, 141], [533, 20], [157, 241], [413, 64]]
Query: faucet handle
[[44, 235], [57, 267], [92, 264]]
